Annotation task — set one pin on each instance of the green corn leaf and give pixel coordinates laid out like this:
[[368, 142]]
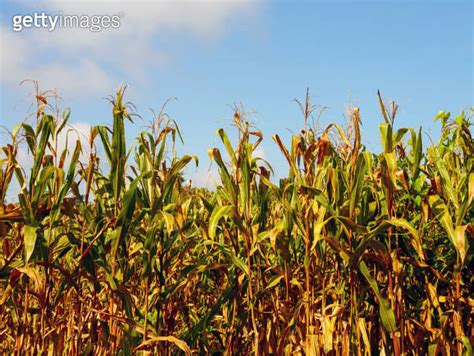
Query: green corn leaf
[[217, 214], [30, 236], [386, 312], [456, 234]]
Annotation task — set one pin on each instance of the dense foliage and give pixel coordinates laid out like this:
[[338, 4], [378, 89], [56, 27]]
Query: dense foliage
[[352, 253]]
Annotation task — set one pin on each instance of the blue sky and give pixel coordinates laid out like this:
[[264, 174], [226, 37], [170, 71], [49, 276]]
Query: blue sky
[[212, 54]]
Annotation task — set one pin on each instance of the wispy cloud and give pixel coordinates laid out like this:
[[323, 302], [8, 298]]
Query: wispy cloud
[[81, 62], [205, 178]]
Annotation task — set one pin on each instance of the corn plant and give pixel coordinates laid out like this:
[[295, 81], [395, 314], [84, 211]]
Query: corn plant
[[107, 249]]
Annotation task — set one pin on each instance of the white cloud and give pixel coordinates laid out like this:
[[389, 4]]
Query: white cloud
[[70, 134], [81, 62], [205, 178]]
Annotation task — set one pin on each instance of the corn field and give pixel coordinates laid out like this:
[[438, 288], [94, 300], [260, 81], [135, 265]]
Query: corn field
[[352, 253]]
